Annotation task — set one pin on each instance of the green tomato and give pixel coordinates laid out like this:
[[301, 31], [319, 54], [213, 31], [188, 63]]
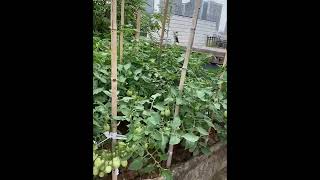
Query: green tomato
[[116, 162], [108, 169], [95, 147], [106, 127], [102, 167], [98, 162], [95, 156], [135, 137], [129, 93], [103, 154], [146, 145], [167, 112], [95, 171], [225, 114], [129, 73], [124, 154], [107, 163], [162, 113], [121, 144], [128, 148], [167, 130], [124, 163], [135, 97], [101, 174], [138, 130]]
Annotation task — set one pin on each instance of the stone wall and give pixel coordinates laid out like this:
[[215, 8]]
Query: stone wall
[[213, 167]]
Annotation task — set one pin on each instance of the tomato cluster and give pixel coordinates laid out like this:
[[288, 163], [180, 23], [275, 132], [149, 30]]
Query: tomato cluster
[[105, 160]]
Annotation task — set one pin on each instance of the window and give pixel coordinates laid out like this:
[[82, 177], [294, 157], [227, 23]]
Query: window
[[210, 10]]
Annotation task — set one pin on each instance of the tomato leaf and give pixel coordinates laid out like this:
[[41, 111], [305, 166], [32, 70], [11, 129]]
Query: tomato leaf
[[98, 90], [202, 131], [181, 58], [139, 107], [122, 79], [174, 140], [164, 141], [159, 107], [136, 164], [176, 122], [167, 174], [127, 66], [190, 137], [163, 157], [200, 95], [217, 105], [120, 118], [149, 168], [154, 119], [96, 123], [168, 100], [208, 122], [179, 101], [126, 99], [206, 150], [156, 136], [108, 93], [138, 71], [155, 95]]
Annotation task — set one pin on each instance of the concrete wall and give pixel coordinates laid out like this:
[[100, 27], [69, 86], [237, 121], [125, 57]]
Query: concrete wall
[[213, 167]]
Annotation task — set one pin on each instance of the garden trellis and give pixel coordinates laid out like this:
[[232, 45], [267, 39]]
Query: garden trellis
[[150, 98]]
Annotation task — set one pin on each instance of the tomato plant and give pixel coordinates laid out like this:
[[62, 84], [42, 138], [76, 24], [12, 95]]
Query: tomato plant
[[148, 92]]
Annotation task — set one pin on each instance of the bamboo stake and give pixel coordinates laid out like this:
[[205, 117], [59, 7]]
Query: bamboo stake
[[121, 33], [184, 68], [169, 23], [138, 25], [114, 73], [225, 60], [209, 131], [212, 115], [165, 11]]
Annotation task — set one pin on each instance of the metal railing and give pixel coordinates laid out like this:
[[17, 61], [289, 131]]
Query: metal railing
[[216, 41]]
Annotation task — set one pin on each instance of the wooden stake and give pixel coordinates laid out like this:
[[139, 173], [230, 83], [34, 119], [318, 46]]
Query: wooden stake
[[165, 11], [212, 116], [209, 131], [114, 97], [225, 60], [184, 68], [168, 24], [121, 33], [138, 25]]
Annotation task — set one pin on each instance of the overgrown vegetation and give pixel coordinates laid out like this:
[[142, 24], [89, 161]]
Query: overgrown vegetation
[[148, 83], [101, 18]]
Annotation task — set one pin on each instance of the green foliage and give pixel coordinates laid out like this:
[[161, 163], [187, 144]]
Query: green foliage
[[101, 18], [148, 82], [148, 86]]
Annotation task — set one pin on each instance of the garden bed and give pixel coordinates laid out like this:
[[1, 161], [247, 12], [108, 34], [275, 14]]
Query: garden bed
[[203, 167], [189, 167], [148, 81]]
